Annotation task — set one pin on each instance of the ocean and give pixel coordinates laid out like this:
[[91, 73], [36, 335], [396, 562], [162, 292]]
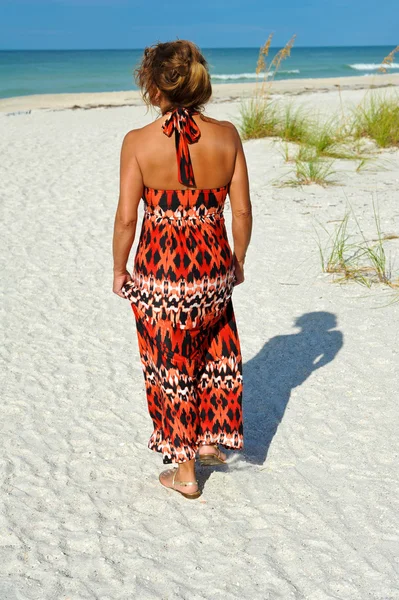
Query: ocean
[[24, 72]]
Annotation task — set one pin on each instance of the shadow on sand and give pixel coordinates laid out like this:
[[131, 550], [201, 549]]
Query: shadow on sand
[[284, 362]]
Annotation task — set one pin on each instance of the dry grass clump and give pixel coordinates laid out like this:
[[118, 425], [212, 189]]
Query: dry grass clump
[[388, 60], [363, 261], [261, 66], [265, 71]]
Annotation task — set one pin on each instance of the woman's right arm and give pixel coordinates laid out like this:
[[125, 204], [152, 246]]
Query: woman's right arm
[[241, 210], [131, 190]]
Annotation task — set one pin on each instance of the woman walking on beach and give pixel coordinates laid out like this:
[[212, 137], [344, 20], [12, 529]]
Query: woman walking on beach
[[184, 270]]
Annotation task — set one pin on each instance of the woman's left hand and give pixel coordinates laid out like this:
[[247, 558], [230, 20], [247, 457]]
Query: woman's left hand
[[119, 281]]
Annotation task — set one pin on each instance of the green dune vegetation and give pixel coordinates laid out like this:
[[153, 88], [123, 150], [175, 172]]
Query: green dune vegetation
[[361, 260], [313, 144], [375, 118]]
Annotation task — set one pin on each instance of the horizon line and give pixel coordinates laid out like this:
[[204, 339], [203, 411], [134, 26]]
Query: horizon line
[[202, 47]]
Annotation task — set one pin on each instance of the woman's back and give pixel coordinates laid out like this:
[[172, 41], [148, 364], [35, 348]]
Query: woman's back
[[213, 156], [184, 269]]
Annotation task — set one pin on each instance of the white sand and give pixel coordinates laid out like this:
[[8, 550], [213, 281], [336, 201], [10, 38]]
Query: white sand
[[310, 509]]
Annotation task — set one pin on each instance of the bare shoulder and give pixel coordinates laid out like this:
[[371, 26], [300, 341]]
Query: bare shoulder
[[227, 128], [229, 125], [130, 138], [233, 131], [224, 124], [135, 136], [131, 142]]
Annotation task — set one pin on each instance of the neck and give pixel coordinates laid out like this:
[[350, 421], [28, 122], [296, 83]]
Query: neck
[[167, 108]]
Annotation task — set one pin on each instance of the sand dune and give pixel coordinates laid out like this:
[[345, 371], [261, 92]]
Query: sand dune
[[309, 510]]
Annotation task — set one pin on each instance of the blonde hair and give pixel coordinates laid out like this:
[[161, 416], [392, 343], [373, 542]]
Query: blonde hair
[[179, 70]]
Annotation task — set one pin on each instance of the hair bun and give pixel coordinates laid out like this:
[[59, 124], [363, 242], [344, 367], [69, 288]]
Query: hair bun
[[183, 69], [173, 71], [178, 70]]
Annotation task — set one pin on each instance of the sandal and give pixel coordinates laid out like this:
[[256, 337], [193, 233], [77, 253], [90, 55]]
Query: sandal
[[212, 459], [191, 496]]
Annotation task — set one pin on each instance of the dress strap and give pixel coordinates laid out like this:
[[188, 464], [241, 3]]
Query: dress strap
[[186, 132]]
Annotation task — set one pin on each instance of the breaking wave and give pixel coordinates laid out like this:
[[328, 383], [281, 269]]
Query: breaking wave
[[227, 76], [372, 66]]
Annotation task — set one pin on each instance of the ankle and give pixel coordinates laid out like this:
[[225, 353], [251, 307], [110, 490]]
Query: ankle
[[207, 446], [187, 468]]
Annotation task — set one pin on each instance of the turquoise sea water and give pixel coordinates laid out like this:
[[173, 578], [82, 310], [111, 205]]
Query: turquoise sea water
[[24, 72]]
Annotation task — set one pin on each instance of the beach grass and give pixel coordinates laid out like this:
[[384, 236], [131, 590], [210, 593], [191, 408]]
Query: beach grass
[[330, 139], [388, 60], [364, 261], [266, 71], [341, 256], [293, 124], [375, 252], [340, 137], [311, 168], [323, 137], [286, 152], [363, 164], [259, 118], [377, 117]]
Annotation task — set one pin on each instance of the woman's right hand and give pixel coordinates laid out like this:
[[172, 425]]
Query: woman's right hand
[[239, 271], [119, 281]]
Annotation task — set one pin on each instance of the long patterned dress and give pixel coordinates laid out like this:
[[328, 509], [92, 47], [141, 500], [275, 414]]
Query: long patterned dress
[[180, 294]]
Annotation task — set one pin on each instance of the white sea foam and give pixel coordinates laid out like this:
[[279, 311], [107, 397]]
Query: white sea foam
[[226, 76], [372, 66]]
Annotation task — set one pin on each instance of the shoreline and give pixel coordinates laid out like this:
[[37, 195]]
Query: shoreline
[[222, 92]]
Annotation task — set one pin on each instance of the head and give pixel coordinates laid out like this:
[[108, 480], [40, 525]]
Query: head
[[320, 320], [174, 74]]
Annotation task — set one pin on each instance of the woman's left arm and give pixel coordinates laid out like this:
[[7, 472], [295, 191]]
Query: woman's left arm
[[130, 193]]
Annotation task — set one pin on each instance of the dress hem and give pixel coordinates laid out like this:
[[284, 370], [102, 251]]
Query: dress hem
[[185, 453]]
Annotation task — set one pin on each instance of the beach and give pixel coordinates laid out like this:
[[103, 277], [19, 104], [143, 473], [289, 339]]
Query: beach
[[222, 92], [309, 509]]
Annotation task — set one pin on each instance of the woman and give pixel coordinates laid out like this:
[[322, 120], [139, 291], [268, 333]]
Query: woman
[[184, 270]]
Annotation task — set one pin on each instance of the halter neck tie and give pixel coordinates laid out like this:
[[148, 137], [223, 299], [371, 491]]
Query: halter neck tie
[[186, 132]]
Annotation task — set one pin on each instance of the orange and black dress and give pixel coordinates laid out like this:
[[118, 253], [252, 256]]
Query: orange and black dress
[[180, 293]]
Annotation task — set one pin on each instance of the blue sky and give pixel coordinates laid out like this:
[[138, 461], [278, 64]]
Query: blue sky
[[81, 24]]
